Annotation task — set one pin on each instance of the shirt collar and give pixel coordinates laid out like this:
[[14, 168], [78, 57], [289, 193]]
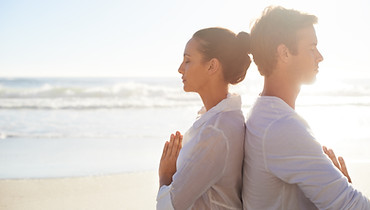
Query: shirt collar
[[275, 103], [230, 103]]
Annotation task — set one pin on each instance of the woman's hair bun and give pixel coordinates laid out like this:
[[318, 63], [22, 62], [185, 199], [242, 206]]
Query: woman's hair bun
[[244, 41]]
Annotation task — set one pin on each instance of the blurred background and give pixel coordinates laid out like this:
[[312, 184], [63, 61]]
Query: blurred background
[[91, 87]]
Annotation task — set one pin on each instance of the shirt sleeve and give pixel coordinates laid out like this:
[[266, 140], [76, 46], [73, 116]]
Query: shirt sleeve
[[201, 169], [296, 157], [164, 198]]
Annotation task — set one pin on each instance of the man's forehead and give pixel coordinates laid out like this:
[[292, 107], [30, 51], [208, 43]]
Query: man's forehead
[[307, 35]]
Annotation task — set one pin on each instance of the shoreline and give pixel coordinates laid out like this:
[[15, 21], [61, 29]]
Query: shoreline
[[108, 174]]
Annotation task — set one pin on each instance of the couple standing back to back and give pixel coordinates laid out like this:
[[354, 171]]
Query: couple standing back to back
[[273, 161]]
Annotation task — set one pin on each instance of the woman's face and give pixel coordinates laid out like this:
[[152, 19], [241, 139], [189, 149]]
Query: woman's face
[[194, 69]]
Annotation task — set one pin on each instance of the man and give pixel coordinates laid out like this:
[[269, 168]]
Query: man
[[284, 166]]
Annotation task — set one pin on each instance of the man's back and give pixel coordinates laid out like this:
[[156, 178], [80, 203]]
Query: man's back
[[284, 166]]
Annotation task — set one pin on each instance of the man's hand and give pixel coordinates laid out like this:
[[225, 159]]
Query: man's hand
[[341, 165]]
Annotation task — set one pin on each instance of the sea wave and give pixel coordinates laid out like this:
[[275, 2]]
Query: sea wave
[[92, 103], [118, 95], [160, 102], [61, 135], [149, 93], [116, 90]]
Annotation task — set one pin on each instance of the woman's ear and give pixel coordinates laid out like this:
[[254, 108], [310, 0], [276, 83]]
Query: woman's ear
[[214, 66]]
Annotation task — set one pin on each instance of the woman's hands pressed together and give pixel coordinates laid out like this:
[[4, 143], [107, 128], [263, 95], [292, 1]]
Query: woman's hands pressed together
[[167, 166]]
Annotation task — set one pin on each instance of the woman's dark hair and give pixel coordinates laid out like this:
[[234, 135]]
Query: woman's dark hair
[[230, 49]]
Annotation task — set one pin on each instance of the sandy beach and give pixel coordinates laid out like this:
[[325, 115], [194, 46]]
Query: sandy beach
[[120, 191]]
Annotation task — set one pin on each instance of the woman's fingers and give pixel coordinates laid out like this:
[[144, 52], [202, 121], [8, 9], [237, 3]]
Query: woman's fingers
[[165, 148], [170, 145], [172, 148], [180, 143], [176, 143]]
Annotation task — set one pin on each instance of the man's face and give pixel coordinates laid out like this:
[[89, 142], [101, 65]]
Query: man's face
[[305, 63]]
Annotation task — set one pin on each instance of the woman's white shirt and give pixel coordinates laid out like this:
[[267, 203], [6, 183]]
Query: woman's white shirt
[[209, 166]]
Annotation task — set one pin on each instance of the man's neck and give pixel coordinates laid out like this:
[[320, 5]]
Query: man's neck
[[285, 90]]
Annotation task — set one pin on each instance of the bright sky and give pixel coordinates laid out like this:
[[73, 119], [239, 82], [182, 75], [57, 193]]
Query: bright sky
[[147, 38]]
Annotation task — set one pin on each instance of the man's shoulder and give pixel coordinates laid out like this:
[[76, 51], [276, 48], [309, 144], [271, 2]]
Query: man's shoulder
[[289, 130], [289, 122], [279, 126], [262, 118]]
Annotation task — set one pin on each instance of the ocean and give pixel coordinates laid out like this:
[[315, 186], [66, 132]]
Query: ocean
[[65, 127]]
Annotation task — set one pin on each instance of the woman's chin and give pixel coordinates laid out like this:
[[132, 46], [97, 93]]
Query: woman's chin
[[187, 89]]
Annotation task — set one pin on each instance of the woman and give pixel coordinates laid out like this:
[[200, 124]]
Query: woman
[[206, 171]]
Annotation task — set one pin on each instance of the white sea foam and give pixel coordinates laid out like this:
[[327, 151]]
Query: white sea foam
[[123, 123], [71, 96], [145, 93]]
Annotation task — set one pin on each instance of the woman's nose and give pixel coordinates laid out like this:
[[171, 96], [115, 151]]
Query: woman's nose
[[181, 69]]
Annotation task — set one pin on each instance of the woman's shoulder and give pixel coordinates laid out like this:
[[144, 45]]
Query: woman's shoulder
[[227, 119], [228, 124]]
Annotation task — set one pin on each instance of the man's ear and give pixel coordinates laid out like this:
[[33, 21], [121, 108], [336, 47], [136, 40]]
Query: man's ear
[[214, 66], [283, 53]]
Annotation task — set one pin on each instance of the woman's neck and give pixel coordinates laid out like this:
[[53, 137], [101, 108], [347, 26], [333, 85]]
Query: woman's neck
[[214, 95]]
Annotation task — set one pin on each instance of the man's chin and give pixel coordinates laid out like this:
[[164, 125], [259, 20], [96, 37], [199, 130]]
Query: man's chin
[[310, 82]]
